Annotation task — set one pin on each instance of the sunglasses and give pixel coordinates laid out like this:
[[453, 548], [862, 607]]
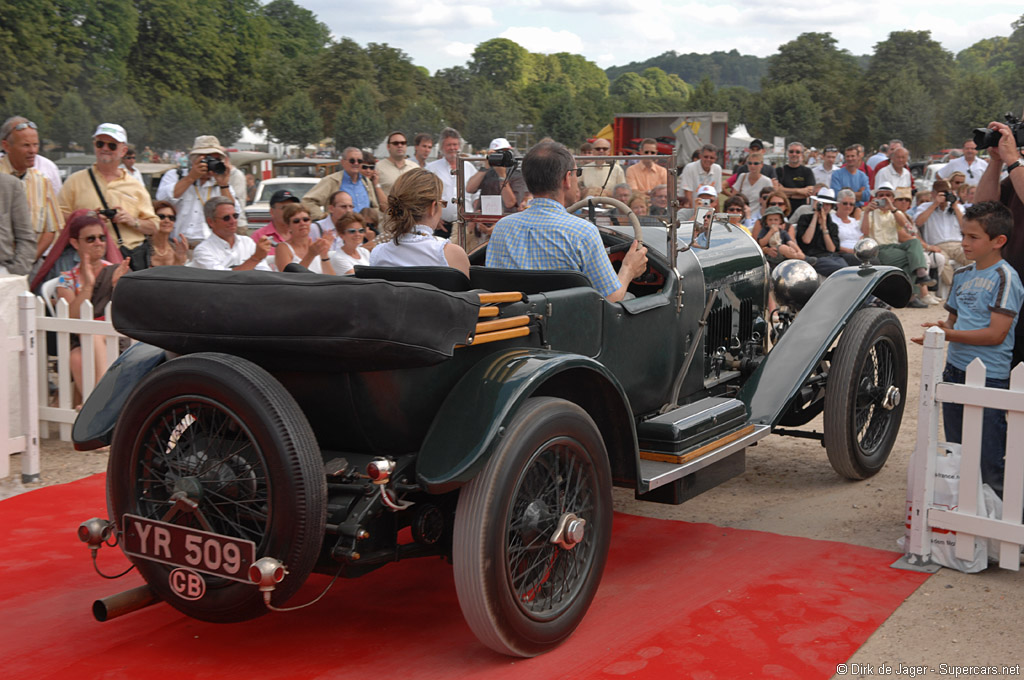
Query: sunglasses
[[354, 161], [650, 153], [777, 204], [228, 218], [110, 145], [969, 173], [398, 143], [577, 171], [794, 151], [444, 203], [96, 237], [355, 231], [22, 126], [602, 148], [734, 210], [753, 162], [847, 203], [300, 220], [164, 216]]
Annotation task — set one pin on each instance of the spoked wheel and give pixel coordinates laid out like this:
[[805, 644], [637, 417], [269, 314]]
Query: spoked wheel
[[223, 433], [532, 530], [865, 394]]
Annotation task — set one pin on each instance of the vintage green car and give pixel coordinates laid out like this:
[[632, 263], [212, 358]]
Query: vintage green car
[[268, 425]]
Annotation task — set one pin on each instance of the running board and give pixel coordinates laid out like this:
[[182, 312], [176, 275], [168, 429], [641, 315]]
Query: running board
[[657, 473]]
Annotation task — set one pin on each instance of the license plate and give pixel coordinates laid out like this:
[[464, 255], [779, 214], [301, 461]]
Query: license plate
[[179, 546]]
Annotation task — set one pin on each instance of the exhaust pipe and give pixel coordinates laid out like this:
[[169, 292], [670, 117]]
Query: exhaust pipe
[[127, 602]]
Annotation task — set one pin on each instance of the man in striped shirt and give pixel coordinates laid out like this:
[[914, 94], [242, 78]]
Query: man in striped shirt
[[545, 236], [20, 140]]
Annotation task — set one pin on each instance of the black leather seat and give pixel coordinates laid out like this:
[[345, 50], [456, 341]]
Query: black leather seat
[[445, 278], [527, 281]]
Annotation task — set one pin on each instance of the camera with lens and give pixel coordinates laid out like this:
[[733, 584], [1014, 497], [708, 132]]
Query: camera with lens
[[501, 159], [950, 196], [985, 137], [109, 213], [214, 165]]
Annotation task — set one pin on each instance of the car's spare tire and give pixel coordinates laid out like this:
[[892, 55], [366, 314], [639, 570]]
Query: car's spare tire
[[227, 433]]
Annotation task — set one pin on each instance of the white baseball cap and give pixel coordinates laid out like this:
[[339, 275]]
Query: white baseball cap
[[112, 130], [707, 190], [499, 143]]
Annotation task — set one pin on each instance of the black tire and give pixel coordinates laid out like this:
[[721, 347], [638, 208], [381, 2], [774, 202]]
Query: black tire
[[245, 441], [551, 461], [861, 420]]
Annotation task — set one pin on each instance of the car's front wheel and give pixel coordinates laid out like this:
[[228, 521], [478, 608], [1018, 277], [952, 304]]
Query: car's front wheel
[[532, 530], [865, 393]]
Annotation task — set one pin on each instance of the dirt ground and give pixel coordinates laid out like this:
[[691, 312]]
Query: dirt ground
[[789, 488]]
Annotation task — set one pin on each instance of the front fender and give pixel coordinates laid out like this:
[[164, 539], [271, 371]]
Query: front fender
[[776, 381], [94, 425], [474, 415]]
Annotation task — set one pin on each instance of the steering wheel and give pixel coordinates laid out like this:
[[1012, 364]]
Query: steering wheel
[[638, 233], [649, 276]]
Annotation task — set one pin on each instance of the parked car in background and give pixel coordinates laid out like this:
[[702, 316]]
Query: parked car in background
[[931, 173], [307, 167], [258, 212]]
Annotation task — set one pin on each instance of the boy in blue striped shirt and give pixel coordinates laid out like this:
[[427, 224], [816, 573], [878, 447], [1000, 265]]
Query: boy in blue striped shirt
[[983, 305]]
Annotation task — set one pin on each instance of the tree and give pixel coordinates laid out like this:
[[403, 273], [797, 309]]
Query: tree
[[975, 101], [562, 122], [903, 109], [493, 111], [358, 121], [72, 122], [225, 122], [787, 111], [633, 92], [18, 102], [501, 62], [343, 62], [397, 79], [296, 121], [830, 75], [127, 113], [178, 121], [421, 115]]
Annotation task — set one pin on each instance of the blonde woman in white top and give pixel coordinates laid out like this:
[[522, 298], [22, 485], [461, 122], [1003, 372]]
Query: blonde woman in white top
[[351, 228], [414, 211], [300, 248]]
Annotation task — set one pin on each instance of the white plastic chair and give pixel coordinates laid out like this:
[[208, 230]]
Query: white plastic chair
[[48, 291]]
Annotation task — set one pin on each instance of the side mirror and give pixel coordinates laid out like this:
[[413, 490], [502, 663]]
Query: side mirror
[[702, 220]]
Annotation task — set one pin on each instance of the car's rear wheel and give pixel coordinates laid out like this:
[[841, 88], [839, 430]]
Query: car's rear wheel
[[865, 394], [227, 433], [520, 592]]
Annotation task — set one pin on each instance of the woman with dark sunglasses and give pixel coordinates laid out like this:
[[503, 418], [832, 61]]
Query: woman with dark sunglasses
[[300, 248], [351, 229], [93, 279], [159, 249]]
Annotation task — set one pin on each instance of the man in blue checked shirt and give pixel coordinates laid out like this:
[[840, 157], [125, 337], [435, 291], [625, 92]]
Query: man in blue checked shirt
[[545, 236]]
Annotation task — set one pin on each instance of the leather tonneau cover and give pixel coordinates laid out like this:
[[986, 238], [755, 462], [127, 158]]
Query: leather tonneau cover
[[294, 321]]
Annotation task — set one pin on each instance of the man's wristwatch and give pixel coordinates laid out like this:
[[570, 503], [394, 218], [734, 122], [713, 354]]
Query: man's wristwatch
[[1012, 166], [225, 186], [324, 259]]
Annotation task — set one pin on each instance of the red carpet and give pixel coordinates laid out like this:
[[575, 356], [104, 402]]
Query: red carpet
[[678, 600]]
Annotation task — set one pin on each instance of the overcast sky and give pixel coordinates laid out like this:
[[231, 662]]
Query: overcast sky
[[442, 33]]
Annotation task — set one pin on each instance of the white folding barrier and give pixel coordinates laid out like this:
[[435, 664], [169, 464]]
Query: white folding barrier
[[19, 351], [968, 520]]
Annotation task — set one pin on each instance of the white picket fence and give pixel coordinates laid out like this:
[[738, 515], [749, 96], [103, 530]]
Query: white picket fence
[[968, 520]]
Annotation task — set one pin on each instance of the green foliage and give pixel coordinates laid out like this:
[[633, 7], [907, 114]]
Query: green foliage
[[127, 113], [723, 68], [225, 122], [830, 75], [976, 100], [562, 122], [903, 109], [503, 113], [421, 115], [334, 73], [295, 121], [502, 62], [788, 111], [72, 123], [358, 121], [179, 120], [18, 102]]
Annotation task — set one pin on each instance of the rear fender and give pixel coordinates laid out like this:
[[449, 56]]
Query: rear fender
[[94, 425], [475, 414], [776, 381]]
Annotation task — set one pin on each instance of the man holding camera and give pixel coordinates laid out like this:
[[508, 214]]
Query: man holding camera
[[208, 177], [1009, 192], [939, 221], [108, 189], [356, 178], [500, 163]]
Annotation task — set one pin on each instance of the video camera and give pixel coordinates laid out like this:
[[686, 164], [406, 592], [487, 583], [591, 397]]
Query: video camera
[[214, 165], [985, 137], [501, 159]]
